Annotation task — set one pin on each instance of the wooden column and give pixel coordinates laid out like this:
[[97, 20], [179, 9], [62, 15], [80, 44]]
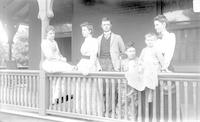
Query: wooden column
[[45, 13]]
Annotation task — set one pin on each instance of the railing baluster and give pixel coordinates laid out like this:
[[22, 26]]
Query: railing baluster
[[26, 90], [154, 119], [74, 94], [34, 95], [69, 94], [107, 98], [101, 98], [18, 89], [30, 91], [161, 102], [186, 101], [94, 96], [64, 94], [37, 90], [78, 96], [198, 101], [139, 106], [22, 90], [12, 89], [9, 89], [126, 101], [169, 101], [50, 80], [60, 81], [146, 106], [83, 96], [89, 96], [113, 98], [1, 84], [132, 107], [194, 84], [177, 101], [119, 99], [6, 89], [54, 93], [15, 89]]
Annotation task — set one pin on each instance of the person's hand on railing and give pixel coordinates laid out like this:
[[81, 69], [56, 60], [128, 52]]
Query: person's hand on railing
[[165, 70], [85, 72], [74, 68]]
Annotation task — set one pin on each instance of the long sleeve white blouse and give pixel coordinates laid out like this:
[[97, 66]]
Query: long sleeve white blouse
[[166, 46]]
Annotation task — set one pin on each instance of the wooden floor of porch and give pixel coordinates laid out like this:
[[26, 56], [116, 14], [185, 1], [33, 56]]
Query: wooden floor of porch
[[16, 116]]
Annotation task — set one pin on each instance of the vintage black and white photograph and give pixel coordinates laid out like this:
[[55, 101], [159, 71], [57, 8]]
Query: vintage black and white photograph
[[99, 60]]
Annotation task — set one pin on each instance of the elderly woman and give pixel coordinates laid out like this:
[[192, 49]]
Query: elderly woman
[[54, 61], [166, 42]]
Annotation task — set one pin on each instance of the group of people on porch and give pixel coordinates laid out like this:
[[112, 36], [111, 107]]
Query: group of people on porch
[[105, 54]]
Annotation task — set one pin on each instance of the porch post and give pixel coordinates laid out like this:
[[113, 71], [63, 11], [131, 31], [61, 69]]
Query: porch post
[[45, 13]]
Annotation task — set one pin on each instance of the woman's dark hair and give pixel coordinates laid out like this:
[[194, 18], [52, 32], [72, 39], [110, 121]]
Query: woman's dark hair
[[88, 25], [50, 28], [161, 18]]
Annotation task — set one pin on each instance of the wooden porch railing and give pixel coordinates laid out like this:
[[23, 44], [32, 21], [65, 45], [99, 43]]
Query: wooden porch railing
[[101, 96], [19, 89]]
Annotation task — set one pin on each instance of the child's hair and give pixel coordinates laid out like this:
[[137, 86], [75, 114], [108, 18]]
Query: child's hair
[[161, 18], [49, 28], [130, 44], [151, 35]]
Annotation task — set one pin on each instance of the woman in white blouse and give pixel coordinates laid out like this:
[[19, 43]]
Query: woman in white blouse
[[89, 63], [166, 43], [89, 49]]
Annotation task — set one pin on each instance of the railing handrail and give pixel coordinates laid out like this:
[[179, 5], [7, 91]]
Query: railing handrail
[[162, 76], [20, 71], [91, 74], [195, 76], [179, 76]]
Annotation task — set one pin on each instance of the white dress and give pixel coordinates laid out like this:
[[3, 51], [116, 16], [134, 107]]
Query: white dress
[[133, 75], [54, 62], [149, 61]]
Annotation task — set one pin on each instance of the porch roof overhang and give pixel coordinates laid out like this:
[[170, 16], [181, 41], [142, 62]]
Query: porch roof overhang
[[23, 11], [19, 11]]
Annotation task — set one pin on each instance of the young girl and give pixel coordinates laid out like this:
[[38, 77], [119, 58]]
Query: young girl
[[131, 67], [151, 62]]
